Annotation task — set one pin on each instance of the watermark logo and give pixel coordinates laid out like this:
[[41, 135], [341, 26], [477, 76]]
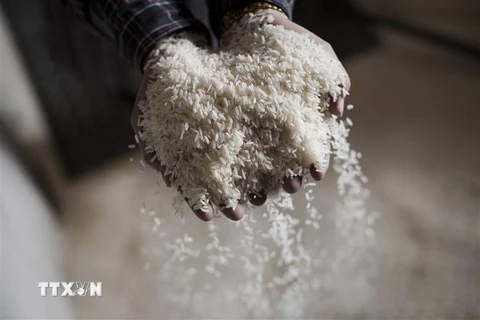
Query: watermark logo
[[70, 289]]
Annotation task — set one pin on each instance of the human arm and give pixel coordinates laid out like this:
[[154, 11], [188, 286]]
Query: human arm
[[137, 25], [283, 18]]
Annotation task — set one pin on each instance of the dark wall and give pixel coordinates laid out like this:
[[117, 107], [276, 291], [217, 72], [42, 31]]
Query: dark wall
[[339, 22], [85, 87]]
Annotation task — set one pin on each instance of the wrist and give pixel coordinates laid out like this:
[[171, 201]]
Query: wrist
[[197, 37], [234, 16]]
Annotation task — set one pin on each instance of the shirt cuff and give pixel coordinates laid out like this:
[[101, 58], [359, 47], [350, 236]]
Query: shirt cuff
[[219, 8], [137, 26], [138, 49]]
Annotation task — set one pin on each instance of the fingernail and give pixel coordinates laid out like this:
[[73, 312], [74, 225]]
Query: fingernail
[[204, 215], [234, 214], [292, 185], [317, 175]]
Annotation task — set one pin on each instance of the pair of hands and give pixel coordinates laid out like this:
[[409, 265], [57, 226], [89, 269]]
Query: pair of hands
[[290, 185]]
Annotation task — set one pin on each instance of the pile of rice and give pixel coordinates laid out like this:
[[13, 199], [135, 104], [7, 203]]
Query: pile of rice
[[237, 121]]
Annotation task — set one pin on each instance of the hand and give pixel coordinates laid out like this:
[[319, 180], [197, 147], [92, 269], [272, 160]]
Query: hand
[[289, 185], [206, 215], [292, 185]]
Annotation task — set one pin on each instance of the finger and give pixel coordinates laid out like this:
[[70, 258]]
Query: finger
[[257, 198], [337, 107], [318, 175], [206, 215], [155, 164], [292, 185], [234, 214]]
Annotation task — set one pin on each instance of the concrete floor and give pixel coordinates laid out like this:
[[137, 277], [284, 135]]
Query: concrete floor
[[416, 122]]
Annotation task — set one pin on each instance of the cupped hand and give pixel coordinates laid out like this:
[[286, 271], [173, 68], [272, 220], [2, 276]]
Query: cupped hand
[[150, 159], [290, 185], [293, 184]]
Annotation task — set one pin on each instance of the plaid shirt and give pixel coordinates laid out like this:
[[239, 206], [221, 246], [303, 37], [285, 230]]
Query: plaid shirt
[[137, 25]]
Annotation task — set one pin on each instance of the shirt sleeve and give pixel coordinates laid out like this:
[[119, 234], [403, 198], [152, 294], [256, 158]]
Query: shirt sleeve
[[218, 9], [137, 25]]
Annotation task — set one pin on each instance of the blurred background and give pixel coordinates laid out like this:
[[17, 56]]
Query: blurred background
[[72, 188]]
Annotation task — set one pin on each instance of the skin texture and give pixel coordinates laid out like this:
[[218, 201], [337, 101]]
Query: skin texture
[[290, 185]]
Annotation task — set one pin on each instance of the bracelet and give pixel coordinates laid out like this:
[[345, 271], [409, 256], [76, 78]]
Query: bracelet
[[233, 16]]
